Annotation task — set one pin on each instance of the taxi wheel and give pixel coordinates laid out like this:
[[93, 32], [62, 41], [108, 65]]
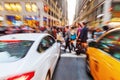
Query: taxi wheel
[[88, 69], [48, 76], [87, 65]]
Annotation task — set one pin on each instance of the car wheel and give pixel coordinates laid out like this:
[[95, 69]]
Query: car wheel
[[88, 70], [87, 66], [48, 76]]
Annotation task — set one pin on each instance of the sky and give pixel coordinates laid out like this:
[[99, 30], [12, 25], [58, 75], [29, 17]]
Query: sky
[[71, 10]]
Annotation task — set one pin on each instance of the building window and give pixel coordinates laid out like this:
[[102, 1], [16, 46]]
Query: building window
[[116, 6], [31, 7], [16, 7], [46, 8]]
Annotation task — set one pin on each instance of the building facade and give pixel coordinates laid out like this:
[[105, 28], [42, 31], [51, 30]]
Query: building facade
[[99, 12], [64, 9], [79, 4], [30, 12]]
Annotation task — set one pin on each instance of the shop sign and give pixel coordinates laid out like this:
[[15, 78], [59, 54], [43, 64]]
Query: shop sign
[[115, 20], [116, 14]]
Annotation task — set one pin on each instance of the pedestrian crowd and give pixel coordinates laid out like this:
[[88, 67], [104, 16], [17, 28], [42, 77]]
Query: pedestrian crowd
[[74, 38]]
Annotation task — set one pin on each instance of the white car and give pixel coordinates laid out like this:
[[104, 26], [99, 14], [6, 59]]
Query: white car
[[28, 56]]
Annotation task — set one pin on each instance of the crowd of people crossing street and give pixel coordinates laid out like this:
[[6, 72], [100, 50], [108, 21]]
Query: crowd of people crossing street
[[73, 38]]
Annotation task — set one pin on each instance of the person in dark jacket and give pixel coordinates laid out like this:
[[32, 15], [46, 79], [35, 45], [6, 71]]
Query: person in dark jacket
[[67, 39], [84, 35]]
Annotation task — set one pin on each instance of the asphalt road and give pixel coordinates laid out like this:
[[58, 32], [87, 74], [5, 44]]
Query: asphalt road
[[71, 67]]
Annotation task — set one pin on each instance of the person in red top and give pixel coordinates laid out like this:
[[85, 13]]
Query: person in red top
[[79, 30], [78, 34], [54, 32]]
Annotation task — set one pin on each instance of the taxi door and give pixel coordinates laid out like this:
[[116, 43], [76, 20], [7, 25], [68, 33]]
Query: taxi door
[[106, 61], [94, 62]]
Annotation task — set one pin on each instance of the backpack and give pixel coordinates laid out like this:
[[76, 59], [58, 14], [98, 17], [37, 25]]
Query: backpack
[[73, 36]]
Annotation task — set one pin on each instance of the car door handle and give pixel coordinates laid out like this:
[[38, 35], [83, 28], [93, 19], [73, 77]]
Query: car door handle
[[96, 67], [109, 64], [95, 60]]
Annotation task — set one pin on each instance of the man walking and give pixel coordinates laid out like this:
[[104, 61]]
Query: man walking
[[67, 39], [84, 36]]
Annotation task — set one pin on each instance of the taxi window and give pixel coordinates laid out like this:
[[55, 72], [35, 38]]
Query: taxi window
[[46, 43], [111, 44]]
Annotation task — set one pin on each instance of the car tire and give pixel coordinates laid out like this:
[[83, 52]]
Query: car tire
[[87, 66], [48, 76]]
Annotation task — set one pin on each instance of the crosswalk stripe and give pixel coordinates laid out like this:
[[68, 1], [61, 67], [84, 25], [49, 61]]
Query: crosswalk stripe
[[73, 55]]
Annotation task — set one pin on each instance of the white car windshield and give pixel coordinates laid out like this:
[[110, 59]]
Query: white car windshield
[[13, 50]]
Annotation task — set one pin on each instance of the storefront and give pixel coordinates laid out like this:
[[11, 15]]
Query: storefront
[[32, 21], [1, 20], [14, 20], [32, 13], [45, 21], [115, 12]]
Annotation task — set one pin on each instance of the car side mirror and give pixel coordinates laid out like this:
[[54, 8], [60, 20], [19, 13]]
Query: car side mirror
[[93, 44]]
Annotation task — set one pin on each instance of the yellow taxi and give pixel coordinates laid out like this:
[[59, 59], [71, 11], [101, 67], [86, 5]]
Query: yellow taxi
[[103, 56]]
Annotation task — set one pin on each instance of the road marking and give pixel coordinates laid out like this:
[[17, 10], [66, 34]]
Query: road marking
[[73, 55]]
